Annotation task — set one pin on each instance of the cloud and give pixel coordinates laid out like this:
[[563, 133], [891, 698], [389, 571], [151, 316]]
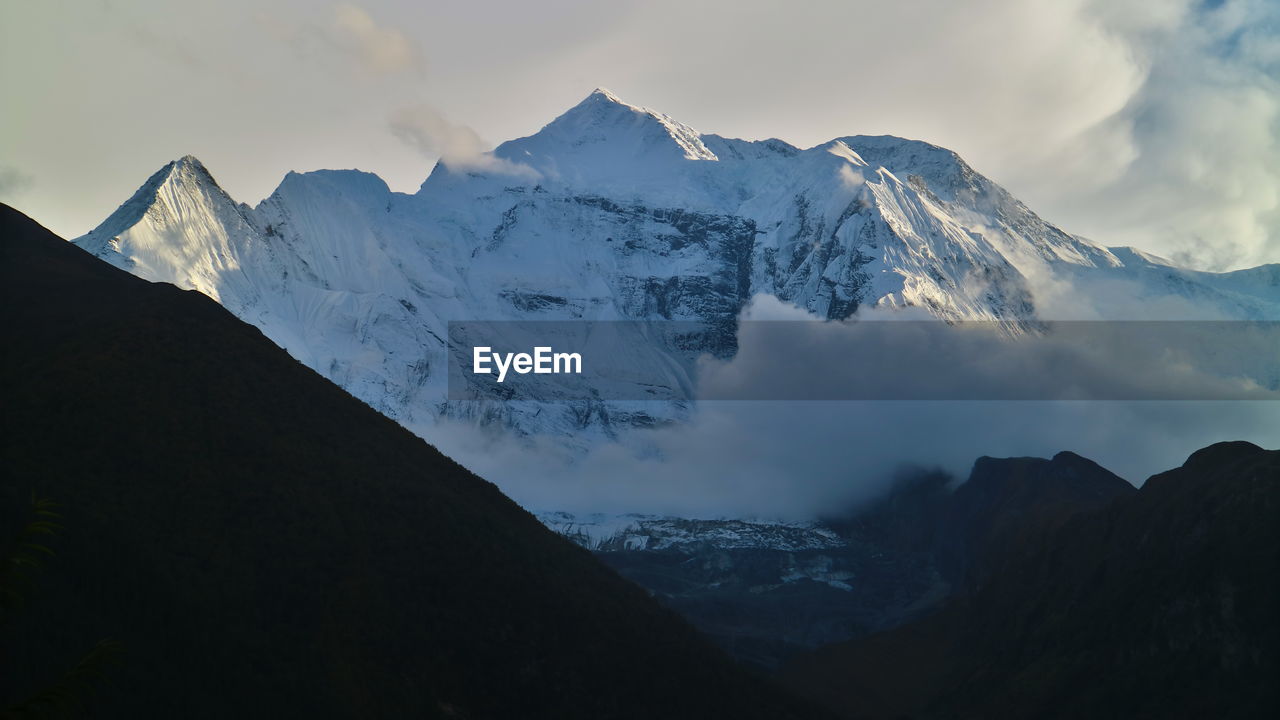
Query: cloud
[[14, 182], [851, 179], [1153, 123], [799, 459], [885, 356], [1198, 174], [425, 129], [379, 48], [351, 34]]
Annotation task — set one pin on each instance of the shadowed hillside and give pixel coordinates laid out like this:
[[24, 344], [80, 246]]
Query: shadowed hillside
[[871, 569], [264, 545], [1160, 604]]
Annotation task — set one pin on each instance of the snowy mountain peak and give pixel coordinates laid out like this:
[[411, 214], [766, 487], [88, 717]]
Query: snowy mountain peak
[[189, 161], [344, 183], [178, 178], [603, 103], [604, 137], [942, 169], [180, 227], [607, 95], [627, 215], [842, 150]]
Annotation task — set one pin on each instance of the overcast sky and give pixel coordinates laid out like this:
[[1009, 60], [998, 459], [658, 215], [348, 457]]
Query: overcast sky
[[1154, 123]]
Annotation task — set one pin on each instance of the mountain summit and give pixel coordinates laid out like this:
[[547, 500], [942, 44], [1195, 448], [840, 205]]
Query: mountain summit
[[627, 215], [603, 129]]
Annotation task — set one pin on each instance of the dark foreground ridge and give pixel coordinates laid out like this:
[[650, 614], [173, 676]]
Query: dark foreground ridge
[[1159, 604], [264, 545]]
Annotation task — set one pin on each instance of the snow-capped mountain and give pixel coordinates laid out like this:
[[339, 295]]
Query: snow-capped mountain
[[616, 212]]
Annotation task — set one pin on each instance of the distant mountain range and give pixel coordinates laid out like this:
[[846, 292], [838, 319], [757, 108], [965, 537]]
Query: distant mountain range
[[261, 544], [614, 211]]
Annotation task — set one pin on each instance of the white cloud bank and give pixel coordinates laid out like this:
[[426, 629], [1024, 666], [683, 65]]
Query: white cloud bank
[[798, 459]]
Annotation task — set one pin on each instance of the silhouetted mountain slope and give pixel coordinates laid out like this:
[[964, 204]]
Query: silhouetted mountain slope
[[968, 531], [1161, 604], [265, 545], [1008, 503]]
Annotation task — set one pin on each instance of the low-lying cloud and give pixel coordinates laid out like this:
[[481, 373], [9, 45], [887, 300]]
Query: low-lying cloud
[[800, 459]]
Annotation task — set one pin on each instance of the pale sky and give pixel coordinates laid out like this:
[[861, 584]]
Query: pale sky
[[1153, 123]]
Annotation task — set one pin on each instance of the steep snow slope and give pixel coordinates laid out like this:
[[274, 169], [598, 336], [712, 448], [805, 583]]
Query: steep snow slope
[[616, 212]]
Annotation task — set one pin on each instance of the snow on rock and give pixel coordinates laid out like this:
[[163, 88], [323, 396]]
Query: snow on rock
[[625, 214], [600, 532]]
